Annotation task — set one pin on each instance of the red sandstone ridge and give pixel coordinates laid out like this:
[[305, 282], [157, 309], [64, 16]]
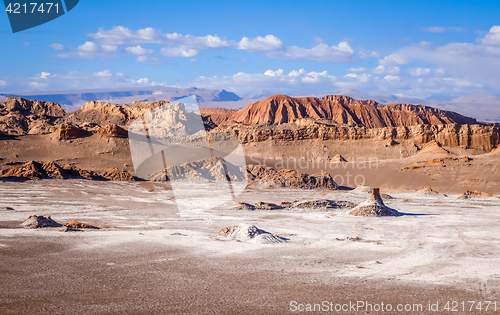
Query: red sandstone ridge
[[280, 109], [218, 115]]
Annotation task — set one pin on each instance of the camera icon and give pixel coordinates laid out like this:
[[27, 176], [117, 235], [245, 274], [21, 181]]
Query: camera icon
[[171, 142]]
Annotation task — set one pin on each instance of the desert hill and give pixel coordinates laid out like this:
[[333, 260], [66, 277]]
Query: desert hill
[[21, 117], [218, 115], [94, 138], [280, 109]]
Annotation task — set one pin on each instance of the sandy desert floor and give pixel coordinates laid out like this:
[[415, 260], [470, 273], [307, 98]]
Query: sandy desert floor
[[147, 259]]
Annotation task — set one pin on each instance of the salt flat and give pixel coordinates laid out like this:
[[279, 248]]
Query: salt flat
[[148, 258]]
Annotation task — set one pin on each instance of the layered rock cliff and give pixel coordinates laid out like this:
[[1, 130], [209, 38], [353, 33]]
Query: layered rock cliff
[[279, 117], [280, 109], [481, 137]]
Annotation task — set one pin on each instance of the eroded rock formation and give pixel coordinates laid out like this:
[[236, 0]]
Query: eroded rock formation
[[21, 117], [50, 169], [280, 109], [265, 175], [480, 137]]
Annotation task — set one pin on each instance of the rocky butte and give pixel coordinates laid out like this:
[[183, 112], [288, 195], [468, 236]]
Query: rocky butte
[[403, 127]]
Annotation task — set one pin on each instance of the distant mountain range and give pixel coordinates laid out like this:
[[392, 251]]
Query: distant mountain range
[[74, 99], [483, 107]]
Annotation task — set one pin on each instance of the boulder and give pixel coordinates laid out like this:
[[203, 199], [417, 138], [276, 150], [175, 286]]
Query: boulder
[[68, 132], [117, 175], [35, 221], [337, 159], [249, 233], [113, 130], [373, 207]]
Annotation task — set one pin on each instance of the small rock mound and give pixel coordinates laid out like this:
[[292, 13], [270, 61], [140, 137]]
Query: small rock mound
[[50, 169], [373, 207], [391, 142], [244, 206], [39, 221], [113, 130], [337, 159], [31, 169], [362, 189], [315, 204], [249, 233], [465, 159], [471, 194], [428, 191], [261, 205], [265, 175], [432, 148], [68, 132], [387, 196], [117, 175], [79, 225]]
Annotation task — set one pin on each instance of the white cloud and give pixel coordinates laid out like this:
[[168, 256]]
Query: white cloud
[[179, 52], [73, 80], [143, 81], [26, 44], [387, 70], [361, 69], [89, 47], [476, 64], [392, 78], [272, 73], [105, 73], [417, 72], [301, 82], [138, 50], [258, 44], [120, 35], [109, 48], [293, 82], [295, 73], [90, 50], [44, 75], [492, 37], [187, 46], [395, 59], [315, 77], [149, 60], [342, 53], [56, 46]]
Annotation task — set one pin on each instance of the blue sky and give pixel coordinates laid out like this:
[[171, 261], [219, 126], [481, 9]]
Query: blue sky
[[410, 48]]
